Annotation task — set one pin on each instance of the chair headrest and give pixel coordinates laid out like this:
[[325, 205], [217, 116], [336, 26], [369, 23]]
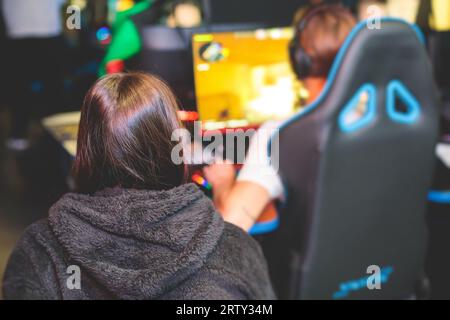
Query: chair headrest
[[382, 63]]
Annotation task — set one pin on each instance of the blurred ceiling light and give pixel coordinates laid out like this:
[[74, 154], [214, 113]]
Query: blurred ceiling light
[[404, 9], [123, 5], [440, 19], [79, 3]]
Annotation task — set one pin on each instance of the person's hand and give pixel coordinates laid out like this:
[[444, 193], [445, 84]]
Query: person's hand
[[221, 175]]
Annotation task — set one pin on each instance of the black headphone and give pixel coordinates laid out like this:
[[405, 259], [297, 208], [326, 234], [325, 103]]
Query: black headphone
[[301, 62]]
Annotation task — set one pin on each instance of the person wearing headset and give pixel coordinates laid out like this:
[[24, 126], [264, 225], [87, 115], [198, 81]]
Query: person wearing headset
[[319, 33]]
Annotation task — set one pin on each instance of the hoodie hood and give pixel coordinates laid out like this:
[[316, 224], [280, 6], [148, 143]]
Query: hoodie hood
[[138, 243]]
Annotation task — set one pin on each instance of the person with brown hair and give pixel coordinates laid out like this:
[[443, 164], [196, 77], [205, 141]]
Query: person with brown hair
[[319, 33], [134, 229]]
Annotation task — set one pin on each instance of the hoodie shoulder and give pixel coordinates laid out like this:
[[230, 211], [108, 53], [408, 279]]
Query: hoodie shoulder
[[27, 273], [240, 255], [236, 236]]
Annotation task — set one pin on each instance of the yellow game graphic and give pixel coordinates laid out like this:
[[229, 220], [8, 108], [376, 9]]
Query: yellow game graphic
[[244, 78]]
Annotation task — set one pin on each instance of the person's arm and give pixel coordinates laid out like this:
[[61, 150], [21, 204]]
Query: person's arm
[[245, 203], [241, 201]]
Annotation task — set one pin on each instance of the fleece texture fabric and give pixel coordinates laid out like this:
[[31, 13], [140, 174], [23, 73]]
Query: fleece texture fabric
[[136, 244]]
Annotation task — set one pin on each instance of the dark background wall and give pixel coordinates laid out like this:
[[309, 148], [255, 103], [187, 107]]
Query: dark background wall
[[277, 12], [274, 12]]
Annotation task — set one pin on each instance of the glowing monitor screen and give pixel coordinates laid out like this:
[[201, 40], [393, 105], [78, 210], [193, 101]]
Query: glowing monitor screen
[[243, 78]]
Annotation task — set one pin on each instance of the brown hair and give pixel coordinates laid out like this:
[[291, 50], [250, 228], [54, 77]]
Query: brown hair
[[325, 30], [124, 138]]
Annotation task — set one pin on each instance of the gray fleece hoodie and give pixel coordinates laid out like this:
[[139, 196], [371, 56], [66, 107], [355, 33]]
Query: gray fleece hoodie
[[131, 244]]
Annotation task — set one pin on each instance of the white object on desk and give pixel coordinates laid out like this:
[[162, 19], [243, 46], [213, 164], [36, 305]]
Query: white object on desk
[[63, 128], [443, 152]]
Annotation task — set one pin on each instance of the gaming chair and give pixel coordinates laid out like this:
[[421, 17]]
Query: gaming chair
[[356, 186]]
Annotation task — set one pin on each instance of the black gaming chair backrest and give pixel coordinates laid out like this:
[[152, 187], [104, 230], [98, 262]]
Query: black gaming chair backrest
[[357, 189]]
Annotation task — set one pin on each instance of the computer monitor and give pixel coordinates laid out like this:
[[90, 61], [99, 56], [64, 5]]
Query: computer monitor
[[243, 78], [166, 52]]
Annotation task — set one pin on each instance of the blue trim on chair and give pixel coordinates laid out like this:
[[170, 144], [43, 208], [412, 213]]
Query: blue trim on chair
[[419, 33], [397, 89], [369, 115], [336, 66], [264, 227], [442, 197]]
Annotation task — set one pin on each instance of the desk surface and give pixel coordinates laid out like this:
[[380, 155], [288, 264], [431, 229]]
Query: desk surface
[[64, 128]]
